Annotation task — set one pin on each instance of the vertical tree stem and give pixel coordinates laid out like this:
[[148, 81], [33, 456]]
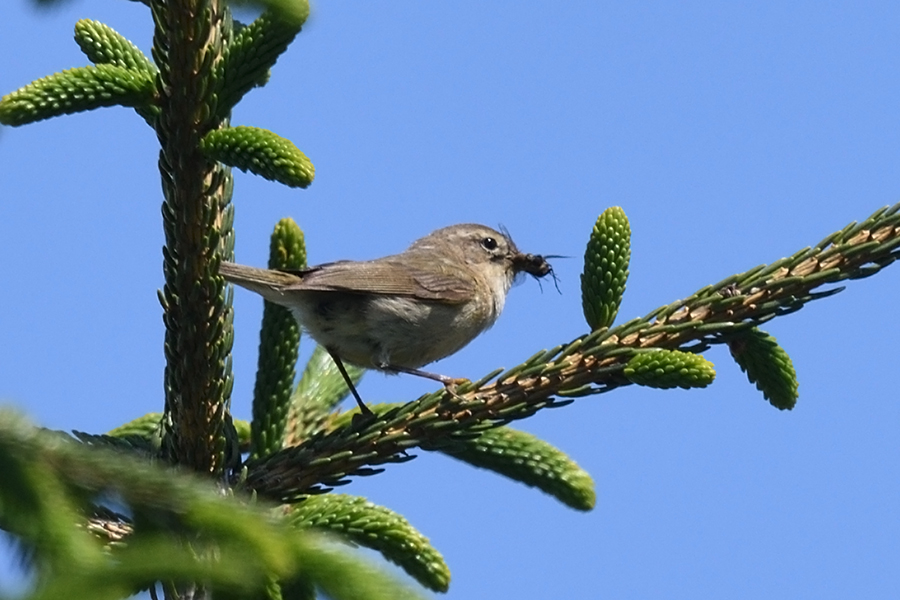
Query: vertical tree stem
[[189, 39]]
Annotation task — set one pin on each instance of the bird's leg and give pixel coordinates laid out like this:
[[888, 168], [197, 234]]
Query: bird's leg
[[363, 409], [449, 382]]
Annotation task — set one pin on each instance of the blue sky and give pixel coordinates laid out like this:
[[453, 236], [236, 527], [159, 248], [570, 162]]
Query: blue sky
[[732, 134]]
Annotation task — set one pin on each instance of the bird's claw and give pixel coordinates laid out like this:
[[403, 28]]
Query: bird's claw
[[451, 383]]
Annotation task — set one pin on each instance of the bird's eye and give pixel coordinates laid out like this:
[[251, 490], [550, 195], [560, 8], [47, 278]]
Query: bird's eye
[[489, 244]]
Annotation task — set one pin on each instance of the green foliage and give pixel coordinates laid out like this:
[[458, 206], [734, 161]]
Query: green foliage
[[77, 90], [253, 52], [378, 528], [148, 430], [296, 589], [104, 45], [244, 433], [145, 426], [188, 40], [279, 345], [767, 365], [670, 368], [140, 444], [606, 268], [343, 577], [515, 454], [292, 13], [320, 390], [182, 528], [523, 457], [261, 152]]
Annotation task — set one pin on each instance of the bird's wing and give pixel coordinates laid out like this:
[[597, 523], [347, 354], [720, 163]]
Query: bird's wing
[[440, 283]]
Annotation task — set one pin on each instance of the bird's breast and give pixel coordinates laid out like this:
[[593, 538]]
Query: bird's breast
[[373, 331]]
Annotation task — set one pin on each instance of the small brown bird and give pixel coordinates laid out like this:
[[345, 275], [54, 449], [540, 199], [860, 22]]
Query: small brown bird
[[404, 311]]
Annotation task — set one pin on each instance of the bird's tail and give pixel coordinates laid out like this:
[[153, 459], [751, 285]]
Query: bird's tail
[[266, 282]]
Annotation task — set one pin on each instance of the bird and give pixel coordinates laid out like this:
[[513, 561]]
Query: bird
[[401, 312]]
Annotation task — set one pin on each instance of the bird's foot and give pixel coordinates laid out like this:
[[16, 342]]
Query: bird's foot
[[452, 383]]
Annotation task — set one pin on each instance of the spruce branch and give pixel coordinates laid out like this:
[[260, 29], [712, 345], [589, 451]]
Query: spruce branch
[[189, 39], [665, 369], [590, 364], [145, 426], [48, 488], [767, 365], [253, 52], [147, 431], [146, 445], [78, 90], [279, 345], [515, 454], [260, 152], [378, 528], [108, 525], [320, 390], [605, 273], [104, 45], [530, 460]]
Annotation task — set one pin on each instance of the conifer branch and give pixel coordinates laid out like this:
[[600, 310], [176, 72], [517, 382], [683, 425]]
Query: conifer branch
[[104, 45], [189, 40], [260, 152], [376, 527], [320, 389], [767, 365], [279, 345], [49, 482], [77, 90], [588, 365], [254, 51], [530, 460]]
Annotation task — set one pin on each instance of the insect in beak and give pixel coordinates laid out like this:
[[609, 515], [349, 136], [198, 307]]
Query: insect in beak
[[533, 264], [537, 266]]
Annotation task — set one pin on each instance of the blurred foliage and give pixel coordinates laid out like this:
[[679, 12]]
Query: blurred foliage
[[54, 494]]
